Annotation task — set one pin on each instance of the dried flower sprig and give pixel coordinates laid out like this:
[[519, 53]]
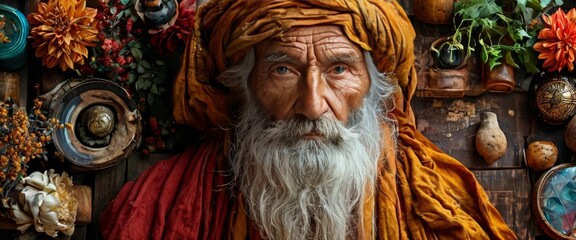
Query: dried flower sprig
[[22, 138]]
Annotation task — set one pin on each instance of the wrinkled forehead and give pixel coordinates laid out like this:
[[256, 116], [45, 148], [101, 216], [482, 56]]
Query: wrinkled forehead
[[328, 40]]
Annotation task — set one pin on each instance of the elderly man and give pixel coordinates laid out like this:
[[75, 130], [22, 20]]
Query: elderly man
[[309, 135]]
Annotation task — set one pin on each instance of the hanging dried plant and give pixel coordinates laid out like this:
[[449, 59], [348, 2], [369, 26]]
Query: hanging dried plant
[[61, 31]]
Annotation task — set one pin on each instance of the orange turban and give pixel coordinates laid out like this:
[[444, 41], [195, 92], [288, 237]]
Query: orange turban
[[225, 30], [423, 193]]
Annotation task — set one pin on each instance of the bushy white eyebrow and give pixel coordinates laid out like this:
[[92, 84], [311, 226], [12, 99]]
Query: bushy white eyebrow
[[278, 57], [342, 57]]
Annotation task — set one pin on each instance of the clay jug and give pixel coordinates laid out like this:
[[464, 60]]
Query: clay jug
[[490, 140], [433, 11]]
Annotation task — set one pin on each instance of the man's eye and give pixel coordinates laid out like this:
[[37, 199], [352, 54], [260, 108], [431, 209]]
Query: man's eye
[[281, 69], [339, 69]]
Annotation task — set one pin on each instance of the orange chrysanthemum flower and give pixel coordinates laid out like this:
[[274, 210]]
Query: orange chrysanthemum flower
[[557, 42], [61, 31]]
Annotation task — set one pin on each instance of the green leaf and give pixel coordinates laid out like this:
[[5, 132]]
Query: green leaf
[[531, 68], [522, 33], [509, 60], [124, 2], [131, 78], [535, 4], [489, 9], [521, 4], [147, 75], [140, 84], [147, 83], [144, 63], [140, 69], [543, 3], [493, 63], [154, 89], [136, 52], [483, 52], [150, 98], [119, 16]]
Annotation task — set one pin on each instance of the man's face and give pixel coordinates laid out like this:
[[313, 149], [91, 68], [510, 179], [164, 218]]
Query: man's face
[[310, 72], [308, 140]]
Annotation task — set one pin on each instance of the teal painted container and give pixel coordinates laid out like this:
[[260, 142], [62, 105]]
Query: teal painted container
[[14, 31]]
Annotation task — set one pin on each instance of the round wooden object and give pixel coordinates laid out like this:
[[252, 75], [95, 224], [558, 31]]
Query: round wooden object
[[106, 124], [537, 202]]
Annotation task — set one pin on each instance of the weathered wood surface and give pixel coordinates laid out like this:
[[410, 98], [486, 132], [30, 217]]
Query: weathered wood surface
[[84, 196], [107, 184], [509, 190], [452, 124]]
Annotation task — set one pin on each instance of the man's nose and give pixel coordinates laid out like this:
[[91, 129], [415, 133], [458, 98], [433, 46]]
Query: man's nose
[[312, 99]]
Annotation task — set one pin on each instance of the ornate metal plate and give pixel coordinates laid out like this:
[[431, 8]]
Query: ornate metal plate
[[556, 101], [106, 124]]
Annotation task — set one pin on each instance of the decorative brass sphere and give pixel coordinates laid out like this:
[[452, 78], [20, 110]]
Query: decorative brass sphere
[[556, 101], [100, 120]]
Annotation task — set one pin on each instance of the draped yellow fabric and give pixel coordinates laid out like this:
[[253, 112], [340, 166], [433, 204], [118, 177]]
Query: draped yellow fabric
[[422, 192]]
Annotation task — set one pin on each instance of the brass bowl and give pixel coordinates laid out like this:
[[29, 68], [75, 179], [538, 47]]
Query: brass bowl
[[555, 99]]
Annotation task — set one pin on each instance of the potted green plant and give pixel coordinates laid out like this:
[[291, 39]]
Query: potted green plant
[[500, 31], [447, 56]]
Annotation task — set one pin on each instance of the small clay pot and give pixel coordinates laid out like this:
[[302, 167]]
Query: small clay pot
[[500, 79], [447, 83]]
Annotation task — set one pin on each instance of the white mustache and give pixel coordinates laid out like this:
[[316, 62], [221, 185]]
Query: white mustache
[[296, 129]]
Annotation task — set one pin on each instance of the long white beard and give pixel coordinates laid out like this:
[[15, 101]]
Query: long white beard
[[302, 188]]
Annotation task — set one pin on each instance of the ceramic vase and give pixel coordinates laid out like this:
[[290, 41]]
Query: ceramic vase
[[14, 31], [490, 140]]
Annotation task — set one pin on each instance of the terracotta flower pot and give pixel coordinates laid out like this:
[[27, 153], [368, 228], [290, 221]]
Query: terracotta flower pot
[[500, 79]]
